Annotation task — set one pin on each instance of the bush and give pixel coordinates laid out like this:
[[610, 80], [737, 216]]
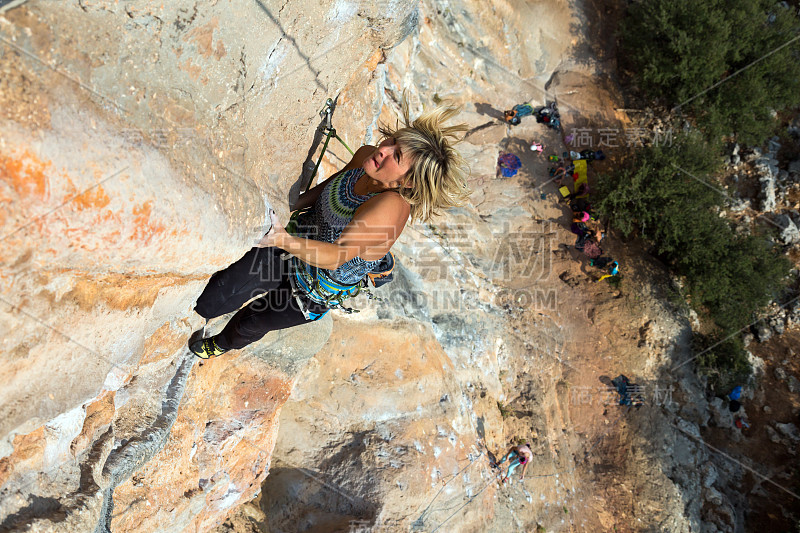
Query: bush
[[723, 361], [679, 50], [743, 278], [505, 412], [666, 196], [664, 180]]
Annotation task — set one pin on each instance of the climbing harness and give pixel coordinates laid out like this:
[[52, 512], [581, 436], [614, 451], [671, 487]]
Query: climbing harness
[[312, 283], [326, 114], [320, 288]]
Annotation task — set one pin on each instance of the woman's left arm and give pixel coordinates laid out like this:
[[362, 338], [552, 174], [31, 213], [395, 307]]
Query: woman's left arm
[[372, 232]]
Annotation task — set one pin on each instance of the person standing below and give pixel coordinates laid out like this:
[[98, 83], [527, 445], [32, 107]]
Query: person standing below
[[613, 270], [514, 115]]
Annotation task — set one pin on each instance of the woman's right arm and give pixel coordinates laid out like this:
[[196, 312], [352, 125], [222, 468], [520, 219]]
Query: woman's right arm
[[308, 198]]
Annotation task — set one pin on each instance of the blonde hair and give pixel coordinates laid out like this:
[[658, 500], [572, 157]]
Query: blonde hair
[[437, 179]]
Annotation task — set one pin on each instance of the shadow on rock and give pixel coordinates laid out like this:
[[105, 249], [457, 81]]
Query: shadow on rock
[[301, 499], [488, 110]]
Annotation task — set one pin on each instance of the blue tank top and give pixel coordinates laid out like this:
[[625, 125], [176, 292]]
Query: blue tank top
[[331, 213]]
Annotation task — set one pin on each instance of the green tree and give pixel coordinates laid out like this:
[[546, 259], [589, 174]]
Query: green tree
[[663, 193], [667, 196], [723, 360], [729, 63], [743, 278], [667, 43]]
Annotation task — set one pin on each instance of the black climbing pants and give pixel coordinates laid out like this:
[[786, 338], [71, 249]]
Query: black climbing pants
[[260, 273]]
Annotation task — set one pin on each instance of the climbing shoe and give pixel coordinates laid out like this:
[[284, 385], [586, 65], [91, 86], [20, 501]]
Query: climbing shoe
[[206, 348]]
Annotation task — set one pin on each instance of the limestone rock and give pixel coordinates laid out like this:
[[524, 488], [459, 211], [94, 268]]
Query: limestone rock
[[759, 367], [793, 315], [773, 435], [713, 496], [140, 165], [789, 233], [739, 205], [777, 323], [720, 413], [767, 168], [209, 110], [689, 428], [763, 331], [735, 158], [709, 474], [789, 430], [768, 200]]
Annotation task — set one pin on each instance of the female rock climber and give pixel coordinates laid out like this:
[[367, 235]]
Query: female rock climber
[[341, 230], [519, 455]]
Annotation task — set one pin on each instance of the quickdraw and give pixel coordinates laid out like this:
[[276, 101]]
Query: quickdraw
[[330, 132]]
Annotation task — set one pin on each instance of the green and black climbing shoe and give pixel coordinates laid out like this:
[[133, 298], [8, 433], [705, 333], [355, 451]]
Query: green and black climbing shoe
[[206, 348]]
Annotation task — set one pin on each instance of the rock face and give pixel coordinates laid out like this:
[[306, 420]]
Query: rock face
[[497, 340], [767, 168], [406, 430], [140, 147]]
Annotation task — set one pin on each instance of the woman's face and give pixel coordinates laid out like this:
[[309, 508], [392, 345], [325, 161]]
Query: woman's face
[[388, 164]]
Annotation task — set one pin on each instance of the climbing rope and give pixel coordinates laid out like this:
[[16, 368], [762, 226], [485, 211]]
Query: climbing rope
[[464, 505], [421, 520]]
